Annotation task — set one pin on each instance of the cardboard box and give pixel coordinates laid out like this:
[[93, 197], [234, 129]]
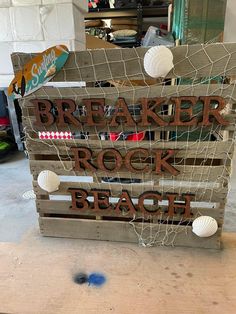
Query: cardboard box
[[5, 29], [93, 42], [26, 24]]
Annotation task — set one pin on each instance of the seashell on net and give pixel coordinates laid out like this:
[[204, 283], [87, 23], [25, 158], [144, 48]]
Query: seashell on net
[[158, 61], [204, 226], [48, 181]]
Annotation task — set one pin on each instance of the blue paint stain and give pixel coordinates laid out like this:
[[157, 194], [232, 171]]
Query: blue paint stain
[[96, 279]]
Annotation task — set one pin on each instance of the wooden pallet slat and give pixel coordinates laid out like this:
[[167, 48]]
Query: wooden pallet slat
[[29, 124], [104, 64], [201, 194], [195, 173], [118, 231], [62, 207], [132, 93], [213, 150]]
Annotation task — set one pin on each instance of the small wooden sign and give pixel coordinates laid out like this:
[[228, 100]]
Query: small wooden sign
[[38, 71]]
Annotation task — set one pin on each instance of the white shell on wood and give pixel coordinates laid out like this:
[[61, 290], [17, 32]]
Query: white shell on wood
[[48, 181], [158, 61], [204, 226]]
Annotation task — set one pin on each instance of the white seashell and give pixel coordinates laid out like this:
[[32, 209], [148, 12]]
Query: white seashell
[[52, 70], [204, 226], [48, 181], [158, 61]]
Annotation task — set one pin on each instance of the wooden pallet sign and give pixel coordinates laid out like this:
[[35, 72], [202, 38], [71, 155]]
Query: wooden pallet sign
[[149, 190]]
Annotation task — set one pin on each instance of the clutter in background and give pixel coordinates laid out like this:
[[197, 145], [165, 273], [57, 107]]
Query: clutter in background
[[155, 37], [106, 27], [198, 21], [7, 144], [98, 28]]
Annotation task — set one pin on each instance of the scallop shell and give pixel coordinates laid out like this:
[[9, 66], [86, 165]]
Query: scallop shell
[[48, 181], [52, 70], [204, 226], [158, 61]]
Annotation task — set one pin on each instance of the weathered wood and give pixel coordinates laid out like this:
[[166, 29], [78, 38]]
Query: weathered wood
[[229, 118], [131, 93], [201, 192], [64, 208], [215, 128], [210, 150], [116, 64], [187, 173], [124, 232]]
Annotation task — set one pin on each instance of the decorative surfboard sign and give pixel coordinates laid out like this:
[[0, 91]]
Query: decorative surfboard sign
[[38, 71]]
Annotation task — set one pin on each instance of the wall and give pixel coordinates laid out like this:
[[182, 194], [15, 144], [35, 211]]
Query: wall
[[35, 25]]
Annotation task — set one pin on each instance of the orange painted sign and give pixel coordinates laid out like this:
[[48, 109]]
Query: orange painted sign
[[38, 71]]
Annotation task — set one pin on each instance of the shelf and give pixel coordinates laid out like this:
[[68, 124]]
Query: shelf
[[126, 44], [161, 10], [138, 12], [3, 133], [156, 11]]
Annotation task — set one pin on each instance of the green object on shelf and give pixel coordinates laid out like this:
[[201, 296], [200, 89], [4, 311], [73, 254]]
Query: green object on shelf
[[4, 146], [198, 21]]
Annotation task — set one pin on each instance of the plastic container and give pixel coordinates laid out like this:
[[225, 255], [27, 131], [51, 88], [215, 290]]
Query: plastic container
[[153, 38]]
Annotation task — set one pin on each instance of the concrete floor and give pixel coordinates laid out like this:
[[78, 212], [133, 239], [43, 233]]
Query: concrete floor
[[16, 213], [36, 273]]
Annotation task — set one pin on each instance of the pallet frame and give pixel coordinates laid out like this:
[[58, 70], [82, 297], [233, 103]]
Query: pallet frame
[[56, 218]]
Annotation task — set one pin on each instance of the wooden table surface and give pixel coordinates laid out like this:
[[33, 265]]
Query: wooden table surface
[[36, 276]]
